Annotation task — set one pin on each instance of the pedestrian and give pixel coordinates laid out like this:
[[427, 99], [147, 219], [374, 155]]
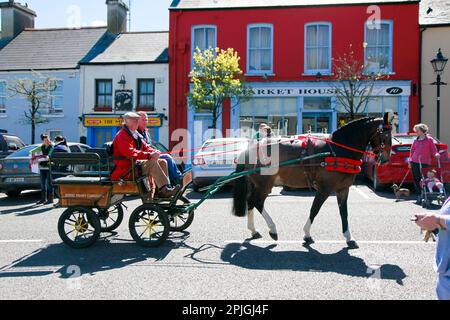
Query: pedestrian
[[423, 151], [265, 131], [441, 221], [45, 150], [175, 175]]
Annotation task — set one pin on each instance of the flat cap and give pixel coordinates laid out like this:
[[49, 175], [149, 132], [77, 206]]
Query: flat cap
[[131, 115]]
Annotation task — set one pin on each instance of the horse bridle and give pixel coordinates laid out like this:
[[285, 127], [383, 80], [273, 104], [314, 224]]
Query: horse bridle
[[381, 130]]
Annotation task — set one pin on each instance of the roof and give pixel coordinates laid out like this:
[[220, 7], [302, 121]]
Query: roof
[[135, 47], [440, 14], [50, 49], [227, 4]]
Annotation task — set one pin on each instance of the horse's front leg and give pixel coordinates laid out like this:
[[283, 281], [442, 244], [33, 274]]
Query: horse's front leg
[[319, 200], [342, 197]]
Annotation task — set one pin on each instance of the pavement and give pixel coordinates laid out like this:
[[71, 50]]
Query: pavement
[[213, 259]]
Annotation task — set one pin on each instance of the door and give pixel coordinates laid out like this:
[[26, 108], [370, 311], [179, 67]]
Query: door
[[317, 122]]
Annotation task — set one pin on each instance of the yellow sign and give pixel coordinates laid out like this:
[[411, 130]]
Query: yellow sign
[[116, 122]]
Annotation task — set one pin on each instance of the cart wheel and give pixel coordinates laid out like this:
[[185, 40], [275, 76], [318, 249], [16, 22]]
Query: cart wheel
[[110, 219], [79, 227], [181, 222], [149, 226]]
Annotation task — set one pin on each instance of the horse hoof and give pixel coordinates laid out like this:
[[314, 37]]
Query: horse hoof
[[308, 241], [274, 236], [352, 244], [256, 236]]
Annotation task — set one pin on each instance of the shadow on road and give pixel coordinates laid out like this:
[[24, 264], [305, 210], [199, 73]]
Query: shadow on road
[[253, 257]]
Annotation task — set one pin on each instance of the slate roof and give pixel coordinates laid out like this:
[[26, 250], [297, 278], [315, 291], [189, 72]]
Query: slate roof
[[224, 4], [135, 47], [52, 49], [440, 14]]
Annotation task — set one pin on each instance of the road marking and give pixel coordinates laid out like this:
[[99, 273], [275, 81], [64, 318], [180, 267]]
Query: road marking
[[361, 193], [329, 242], [21, 241]]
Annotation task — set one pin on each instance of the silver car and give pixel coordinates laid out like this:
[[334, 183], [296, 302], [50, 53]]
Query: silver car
[[217, 158], [15, 170]]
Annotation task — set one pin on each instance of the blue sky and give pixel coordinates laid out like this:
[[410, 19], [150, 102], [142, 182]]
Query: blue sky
[[146, 15]]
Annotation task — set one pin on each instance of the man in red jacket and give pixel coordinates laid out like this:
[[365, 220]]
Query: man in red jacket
[[128, 143]]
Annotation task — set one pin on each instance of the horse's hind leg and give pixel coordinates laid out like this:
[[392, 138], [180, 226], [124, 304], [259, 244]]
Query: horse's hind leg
[[342, 197], [259, 200], [251, 225], [319, 200]]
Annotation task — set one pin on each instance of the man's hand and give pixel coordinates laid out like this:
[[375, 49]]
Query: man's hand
[[428, 221], [438, 155], [155, 155]]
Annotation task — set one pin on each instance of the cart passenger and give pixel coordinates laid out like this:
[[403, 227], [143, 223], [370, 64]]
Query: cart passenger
[[129, 143]]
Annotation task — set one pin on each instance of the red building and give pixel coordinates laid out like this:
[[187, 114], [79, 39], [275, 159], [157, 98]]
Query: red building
[[286, 49]]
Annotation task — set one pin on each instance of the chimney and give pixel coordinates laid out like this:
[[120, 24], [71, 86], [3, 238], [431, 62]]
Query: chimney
[[15, 18], [117, 16]]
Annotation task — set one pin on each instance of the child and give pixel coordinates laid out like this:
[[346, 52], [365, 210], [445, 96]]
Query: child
[[431, 181]]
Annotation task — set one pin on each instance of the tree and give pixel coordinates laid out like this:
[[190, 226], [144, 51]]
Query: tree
[[37, 91], [216, 76], [354, 83]]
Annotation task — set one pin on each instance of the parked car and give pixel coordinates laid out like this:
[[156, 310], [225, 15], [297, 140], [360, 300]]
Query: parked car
[[395, 170], [9, 143], [217, 158], [15, 170]]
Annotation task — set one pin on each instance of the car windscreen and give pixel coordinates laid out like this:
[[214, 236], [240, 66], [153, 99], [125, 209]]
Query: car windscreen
[[14, 140], [24, 152], [224, 146]]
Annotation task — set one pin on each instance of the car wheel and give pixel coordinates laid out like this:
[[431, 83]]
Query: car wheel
[[377, 186], [14, 193]]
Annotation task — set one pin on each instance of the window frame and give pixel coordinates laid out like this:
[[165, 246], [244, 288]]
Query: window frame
[[4, 96], [141, 107], [193, 29], [97, 95], [52, 95], [391, 46], [260, 72], [330, 49]]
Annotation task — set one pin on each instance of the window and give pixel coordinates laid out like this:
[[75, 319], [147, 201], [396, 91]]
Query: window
[[2, 99], [320, 103], [56, 99], [260, 49], [52, 134], [103, 94], [318, 48], [146, 94], [203, 38], [378, 47]]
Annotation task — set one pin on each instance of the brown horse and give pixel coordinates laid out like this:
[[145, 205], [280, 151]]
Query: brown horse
[[252, 191]]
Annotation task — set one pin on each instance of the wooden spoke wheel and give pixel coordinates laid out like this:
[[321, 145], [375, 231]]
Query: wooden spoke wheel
[[79, 227], [181, 222], [149, 226], [110, 219]]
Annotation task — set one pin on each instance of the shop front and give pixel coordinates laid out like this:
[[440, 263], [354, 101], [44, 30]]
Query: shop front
[[294, 108], [103, 128]]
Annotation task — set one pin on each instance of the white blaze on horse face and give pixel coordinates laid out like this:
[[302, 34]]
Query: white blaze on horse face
[[269, 221], [251, 222], [307, 228]]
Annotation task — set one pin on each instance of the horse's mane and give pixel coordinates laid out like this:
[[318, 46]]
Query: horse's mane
[[354, 124]]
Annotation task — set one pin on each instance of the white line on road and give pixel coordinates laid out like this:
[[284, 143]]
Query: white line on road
[[361, 193], [21, 241], [329, 242]]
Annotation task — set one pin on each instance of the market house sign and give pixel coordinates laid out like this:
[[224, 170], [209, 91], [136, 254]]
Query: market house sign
[[322, 91]]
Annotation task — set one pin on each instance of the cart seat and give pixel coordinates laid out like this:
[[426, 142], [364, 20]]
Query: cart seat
[[83, 180]]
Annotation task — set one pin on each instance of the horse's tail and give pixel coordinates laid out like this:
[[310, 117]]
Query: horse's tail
[[240, 191]]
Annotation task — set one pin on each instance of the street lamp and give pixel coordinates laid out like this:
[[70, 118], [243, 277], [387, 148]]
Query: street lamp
[[439, 64]]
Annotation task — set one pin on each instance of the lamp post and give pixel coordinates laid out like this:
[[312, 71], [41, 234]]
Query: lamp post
[[439, 63]]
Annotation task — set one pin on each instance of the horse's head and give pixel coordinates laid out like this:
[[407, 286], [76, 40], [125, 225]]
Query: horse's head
[[381, 140]]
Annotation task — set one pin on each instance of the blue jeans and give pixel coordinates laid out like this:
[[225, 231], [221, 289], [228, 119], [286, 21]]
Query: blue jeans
[[174, 174], [46, 182], [443, 287]]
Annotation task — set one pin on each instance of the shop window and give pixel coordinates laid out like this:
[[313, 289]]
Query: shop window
[[321, 103], [203, 38], [279, 113], [146, 95], [260, 49], [104, 95], [378, 47], [318, 48], [3, 96]]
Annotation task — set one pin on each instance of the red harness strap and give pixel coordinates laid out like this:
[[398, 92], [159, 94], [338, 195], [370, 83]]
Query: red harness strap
[[343, 165]]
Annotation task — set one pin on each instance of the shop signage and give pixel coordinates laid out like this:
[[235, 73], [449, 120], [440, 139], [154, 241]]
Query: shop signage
[[116, 122]]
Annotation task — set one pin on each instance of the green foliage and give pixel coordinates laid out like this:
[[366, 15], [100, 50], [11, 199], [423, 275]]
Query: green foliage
[[216, 76]]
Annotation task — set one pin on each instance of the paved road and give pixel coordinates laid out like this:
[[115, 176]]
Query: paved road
[[212, 260]]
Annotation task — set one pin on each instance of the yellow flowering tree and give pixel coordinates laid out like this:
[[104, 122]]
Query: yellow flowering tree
[[216, 76]]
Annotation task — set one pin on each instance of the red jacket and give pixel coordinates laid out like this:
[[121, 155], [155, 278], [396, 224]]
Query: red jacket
[[124, 145], [424, 150]]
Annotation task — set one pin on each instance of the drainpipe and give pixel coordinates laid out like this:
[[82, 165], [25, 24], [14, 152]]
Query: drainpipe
[[422, 30]]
